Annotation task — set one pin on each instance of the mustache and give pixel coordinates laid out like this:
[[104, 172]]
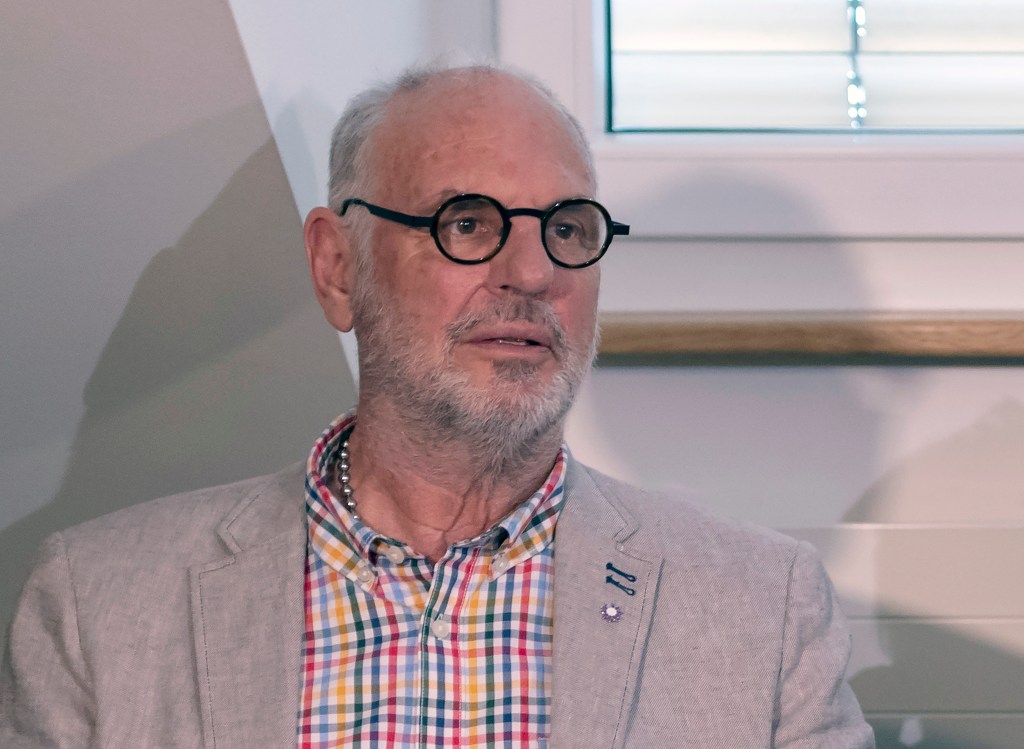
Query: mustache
[[532, 311]]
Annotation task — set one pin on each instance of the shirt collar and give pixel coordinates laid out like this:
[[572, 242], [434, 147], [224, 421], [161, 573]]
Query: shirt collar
[[346, 543]]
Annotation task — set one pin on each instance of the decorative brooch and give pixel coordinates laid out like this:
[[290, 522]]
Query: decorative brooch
[[611, 613]]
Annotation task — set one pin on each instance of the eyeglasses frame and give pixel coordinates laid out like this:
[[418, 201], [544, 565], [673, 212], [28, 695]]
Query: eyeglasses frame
[[507, 214]]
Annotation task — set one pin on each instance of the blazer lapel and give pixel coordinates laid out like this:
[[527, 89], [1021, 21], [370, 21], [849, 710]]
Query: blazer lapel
[[605, 590], [248, 617]]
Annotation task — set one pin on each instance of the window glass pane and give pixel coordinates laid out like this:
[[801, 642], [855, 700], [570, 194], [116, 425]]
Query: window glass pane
[[708, 91], [728, 25], [755, 64], [931, 91], [990, 26]]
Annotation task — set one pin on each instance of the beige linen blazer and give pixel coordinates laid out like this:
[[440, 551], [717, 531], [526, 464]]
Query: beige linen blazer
[[178, 623]]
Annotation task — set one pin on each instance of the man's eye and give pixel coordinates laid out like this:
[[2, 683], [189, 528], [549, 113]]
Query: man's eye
[[566, 231], [466, 225]]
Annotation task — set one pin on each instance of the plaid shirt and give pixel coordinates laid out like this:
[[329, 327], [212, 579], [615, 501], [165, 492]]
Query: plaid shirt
[[401, 653]]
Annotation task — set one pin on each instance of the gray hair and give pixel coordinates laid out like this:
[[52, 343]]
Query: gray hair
[[350, 159]]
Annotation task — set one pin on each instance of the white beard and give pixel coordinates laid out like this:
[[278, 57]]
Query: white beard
[[502, 421]]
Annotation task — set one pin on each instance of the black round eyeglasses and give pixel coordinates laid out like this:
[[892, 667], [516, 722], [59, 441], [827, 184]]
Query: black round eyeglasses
[[473, 228]]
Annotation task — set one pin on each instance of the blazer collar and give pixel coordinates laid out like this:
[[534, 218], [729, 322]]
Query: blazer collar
[[248, 619], [274, 506], [605, 584]]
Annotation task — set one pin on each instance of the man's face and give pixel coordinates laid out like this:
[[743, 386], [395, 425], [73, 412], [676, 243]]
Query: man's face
[[495, 349]]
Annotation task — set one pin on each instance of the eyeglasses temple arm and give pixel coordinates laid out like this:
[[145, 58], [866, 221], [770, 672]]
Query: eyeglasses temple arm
[[387, 213]]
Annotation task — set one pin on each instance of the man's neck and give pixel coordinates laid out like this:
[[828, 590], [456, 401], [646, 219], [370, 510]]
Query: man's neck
[[431, 491]]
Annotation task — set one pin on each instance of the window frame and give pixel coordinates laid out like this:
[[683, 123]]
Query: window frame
[[951, 193]]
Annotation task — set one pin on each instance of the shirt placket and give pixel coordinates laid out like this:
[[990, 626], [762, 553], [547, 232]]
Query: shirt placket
[[441, 673]]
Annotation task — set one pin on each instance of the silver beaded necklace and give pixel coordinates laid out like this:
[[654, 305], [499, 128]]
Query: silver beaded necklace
[[344, 479]]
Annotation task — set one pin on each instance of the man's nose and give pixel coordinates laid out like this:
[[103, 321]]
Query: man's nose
[[523, 264]]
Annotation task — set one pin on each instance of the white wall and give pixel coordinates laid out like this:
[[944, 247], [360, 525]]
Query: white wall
[[159, 333], [157, 326]]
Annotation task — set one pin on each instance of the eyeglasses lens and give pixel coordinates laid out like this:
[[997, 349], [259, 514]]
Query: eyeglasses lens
[[470, 229], [576, 233]]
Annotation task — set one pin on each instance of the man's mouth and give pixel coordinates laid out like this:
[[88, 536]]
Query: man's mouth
[[530, 328], [526, 337], [517, 341]]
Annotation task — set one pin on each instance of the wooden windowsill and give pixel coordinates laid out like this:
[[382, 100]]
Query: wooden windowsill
[[996, 335]]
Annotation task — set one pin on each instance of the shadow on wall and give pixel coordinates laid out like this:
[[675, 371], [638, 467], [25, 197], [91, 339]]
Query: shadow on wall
[[956, 646], [935, 669], [220, 365], [941, 484]]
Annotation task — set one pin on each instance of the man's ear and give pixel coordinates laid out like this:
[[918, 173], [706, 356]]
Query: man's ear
[[331, 260]]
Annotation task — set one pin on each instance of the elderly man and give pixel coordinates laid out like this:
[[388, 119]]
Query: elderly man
[[448, 575]]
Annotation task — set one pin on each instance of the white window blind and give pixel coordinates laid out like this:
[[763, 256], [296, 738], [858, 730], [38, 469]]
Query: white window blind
[[816, 65]]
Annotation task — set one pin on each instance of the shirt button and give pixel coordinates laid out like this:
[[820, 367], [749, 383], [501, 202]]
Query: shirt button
[[440, 629], [364, 574], [500, 563], [395, 555]]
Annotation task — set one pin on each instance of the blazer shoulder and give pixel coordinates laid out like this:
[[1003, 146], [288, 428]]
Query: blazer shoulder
[[186, 524]]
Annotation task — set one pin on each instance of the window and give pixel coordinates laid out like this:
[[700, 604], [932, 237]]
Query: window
[[845, 186]]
